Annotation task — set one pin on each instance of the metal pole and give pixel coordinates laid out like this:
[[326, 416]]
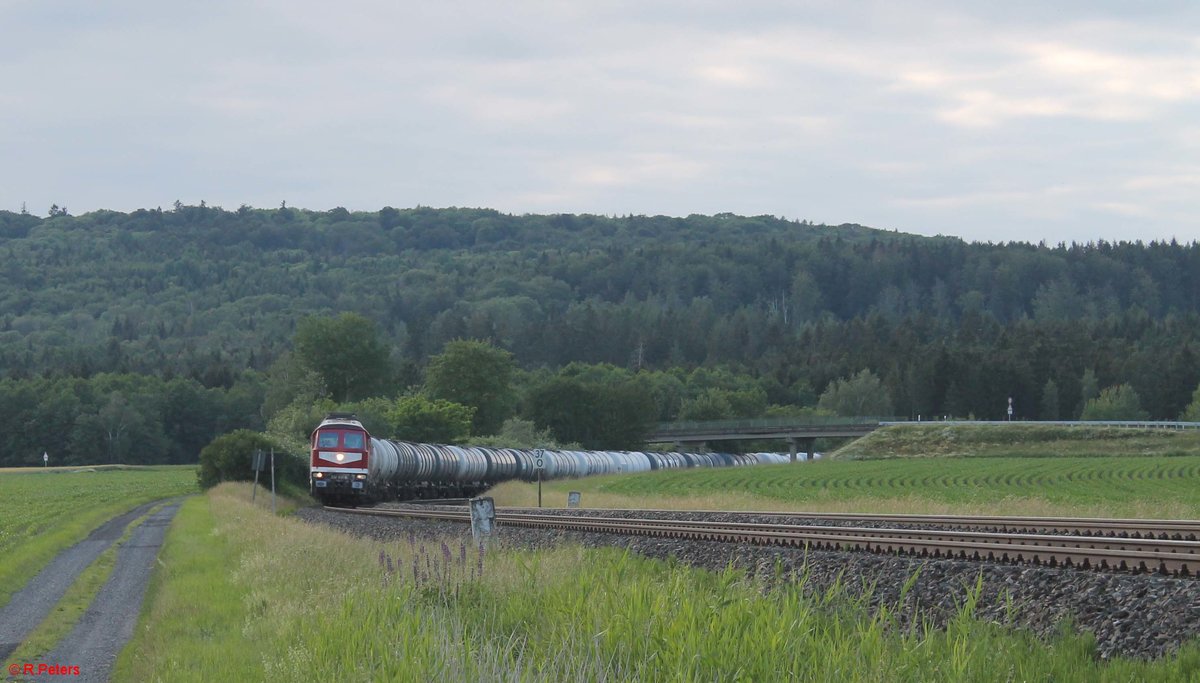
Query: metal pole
[[272, 481], [539, 488], [257, 469]]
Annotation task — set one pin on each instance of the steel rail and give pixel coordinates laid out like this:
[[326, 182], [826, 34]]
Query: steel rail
[[1178, 529], [1145, 555]]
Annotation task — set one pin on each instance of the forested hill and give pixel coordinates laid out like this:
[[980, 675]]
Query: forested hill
[[950, 327]]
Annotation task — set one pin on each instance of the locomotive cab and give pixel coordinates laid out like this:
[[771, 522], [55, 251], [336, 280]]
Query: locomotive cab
[[340, 459]]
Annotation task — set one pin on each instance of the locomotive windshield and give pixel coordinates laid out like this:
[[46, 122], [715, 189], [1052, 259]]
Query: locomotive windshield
[[328, 440], [354, 440]]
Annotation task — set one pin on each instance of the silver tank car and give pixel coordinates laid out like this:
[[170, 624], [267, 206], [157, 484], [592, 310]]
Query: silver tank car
[[403, 461]]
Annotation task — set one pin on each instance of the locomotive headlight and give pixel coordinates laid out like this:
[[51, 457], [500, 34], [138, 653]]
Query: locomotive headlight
[[360, 476], [341, 457], [319, 475]]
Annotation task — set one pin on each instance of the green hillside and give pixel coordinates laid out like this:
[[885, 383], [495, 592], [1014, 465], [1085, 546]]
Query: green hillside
[[951, 328], [138, 337], [1019, 440]]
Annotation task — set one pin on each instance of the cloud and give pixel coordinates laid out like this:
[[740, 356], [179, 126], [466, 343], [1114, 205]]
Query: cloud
[[1186, 179], [939, 117]]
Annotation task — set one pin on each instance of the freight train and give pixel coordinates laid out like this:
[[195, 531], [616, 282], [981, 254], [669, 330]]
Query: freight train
[[349, 466]]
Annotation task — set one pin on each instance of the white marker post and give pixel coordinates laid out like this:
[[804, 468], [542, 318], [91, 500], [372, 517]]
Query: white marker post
[[538, 464], [1010, 408], [483, 519], [45, 459]]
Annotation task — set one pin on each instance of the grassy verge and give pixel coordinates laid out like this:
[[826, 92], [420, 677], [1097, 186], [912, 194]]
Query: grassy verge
[[75, 602], [1132, 487], [246, 596], [43, 512], [1019, 440], [194, 611]]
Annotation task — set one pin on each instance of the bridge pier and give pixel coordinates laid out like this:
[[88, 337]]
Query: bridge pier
[[795, 442]]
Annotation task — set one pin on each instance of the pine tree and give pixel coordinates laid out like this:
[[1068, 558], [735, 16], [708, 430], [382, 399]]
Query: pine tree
[[1089, 389], [1050, 401]]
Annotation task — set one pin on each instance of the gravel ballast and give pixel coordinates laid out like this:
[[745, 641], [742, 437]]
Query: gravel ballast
[[1134, 615]]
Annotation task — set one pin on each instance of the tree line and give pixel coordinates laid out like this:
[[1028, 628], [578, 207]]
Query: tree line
[[607, 308]]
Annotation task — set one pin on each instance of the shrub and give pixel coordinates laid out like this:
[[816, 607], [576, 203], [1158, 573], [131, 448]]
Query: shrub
[[229, 456]]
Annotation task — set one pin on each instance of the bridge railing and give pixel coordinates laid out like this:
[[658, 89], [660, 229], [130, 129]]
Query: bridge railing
[[667, 428], [1136, 424]]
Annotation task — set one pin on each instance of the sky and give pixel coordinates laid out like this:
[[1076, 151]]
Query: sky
[[1064, 121]]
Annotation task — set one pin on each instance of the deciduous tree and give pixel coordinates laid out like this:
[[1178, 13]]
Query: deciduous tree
[[347, 353], [858, 396], [476, 374], [1115, 403]]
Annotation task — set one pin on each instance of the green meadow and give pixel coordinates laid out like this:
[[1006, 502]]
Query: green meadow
[[1146, 486], [1019, 440], [243, 595], [43, 512]]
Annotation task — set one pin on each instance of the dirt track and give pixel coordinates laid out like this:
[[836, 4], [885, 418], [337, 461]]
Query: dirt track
[[108, 624]]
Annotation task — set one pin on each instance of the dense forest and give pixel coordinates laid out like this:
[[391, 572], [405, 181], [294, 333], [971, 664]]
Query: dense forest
[[109, 310]]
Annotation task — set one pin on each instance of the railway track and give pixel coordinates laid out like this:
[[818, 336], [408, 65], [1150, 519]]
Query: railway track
[[1174, 529], [1115, 545]]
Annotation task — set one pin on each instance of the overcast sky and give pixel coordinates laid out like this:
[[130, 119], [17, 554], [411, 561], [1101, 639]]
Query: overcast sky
[[1055, 121]]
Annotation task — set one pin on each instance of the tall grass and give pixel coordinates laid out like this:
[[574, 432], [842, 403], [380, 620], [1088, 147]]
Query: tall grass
[[245, 596]]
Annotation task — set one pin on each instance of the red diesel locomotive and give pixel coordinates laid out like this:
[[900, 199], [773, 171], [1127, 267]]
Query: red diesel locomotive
[[341, 458]]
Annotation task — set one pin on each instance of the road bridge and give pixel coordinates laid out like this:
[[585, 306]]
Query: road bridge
[[799, 434]]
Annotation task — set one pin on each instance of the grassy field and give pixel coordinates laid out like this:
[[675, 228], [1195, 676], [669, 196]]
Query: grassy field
[[44, 511], [1091, 486], [1018, 440], [242, 595]]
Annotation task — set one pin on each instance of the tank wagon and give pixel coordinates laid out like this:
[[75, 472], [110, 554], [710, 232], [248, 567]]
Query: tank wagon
[[349, 466]]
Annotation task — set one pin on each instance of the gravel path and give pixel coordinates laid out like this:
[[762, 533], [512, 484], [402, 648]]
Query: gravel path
[[108, 624], [1144, 616], [31, 605]]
